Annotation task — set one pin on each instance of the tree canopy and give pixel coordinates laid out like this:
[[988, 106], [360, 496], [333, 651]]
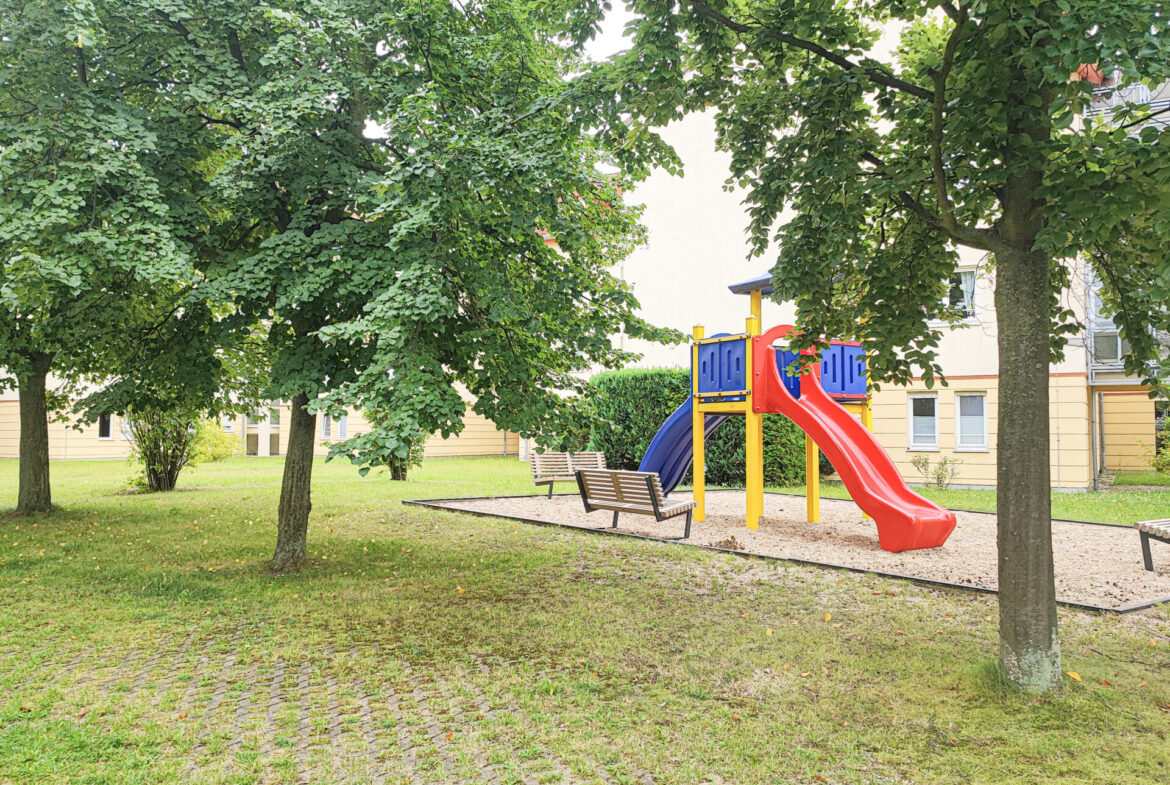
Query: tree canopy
[[408, 201], [874, 138]]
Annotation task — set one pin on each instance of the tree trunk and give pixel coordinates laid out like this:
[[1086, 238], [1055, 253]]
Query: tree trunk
[[1029, 642], [34, 495], [295, 500]]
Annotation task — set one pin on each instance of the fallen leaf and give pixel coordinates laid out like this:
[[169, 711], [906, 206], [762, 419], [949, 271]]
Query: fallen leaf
[[1073, 675], [787, 666], [768, 631], [81, 714], [183, 716], [1144, 683], [828, 616], [460, 589], [450, 735], [1106, 682]]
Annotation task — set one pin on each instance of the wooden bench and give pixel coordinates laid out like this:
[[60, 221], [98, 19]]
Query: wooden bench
[[553, 467], [636, 492], [1158, 529]]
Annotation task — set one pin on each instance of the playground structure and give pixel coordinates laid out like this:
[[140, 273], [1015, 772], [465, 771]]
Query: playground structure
[[745, 375]]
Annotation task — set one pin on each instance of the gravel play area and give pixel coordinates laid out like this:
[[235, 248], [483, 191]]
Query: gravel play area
[[1095, 565]]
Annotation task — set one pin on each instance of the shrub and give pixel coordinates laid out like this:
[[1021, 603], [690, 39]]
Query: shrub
[[1161, 460], [941, 474], [632, 404], [165, 443], [212, 444]]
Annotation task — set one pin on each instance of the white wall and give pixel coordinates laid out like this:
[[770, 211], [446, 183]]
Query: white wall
[[696, 248]]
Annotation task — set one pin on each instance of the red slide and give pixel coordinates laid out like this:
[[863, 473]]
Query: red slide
[[905, 521]]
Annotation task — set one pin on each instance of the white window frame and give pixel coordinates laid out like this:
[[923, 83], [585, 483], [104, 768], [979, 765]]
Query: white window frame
[[124, 428], [109, 418], [959, 446], [959, 272], [342, 426], [326, 427], [229, 423], [972, 317], [910, 444]]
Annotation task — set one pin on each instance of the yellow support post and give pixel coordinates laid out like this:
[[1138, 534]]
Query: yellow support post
[[812, 479], [698, 423], [754, 443], [867, 421]]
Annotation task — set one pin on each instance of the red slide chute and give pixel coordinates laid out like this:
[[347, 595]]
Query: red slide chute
[[905, 521]]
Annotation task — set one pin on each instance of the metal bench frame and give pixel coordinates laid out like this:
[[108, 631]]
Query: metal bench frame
[[1158, 529], [651, 491]]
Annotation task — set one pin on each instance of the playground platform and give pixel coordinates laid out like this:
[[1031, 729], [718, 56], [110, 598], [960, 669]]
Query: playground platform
[[1098, 566]]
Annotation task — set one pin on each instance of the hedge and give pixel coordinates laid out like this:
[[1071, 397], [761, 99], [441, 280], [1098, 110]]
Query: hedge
[[631, 406]]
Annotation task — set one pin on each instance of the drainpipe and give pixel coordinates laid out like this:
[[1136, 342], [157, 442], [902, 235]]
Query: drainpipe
[[1093, 416]]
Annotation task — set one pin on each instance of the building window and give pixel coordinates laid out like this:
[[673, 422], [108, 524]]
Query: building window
[[342, 425], [1109, 347], [105, 427], [961, 293], [971, 425], [274, 416], [923, 422], [326, 427], [253, 418], [229, 423], [127, 429]]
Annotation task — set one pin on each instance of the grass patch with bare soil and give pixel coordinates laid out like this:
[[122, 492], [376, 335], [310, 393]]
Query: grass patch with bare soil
[[142, 640]]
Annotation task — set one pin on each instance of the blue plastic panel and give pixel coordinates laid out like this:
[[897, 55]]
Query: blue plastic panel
[[722, 366], [853, 363], [843, 371], [784, 360]]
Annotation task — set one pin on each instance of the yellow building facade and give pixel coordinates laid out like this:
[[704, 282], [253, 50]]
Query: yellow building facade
[[262, 435]]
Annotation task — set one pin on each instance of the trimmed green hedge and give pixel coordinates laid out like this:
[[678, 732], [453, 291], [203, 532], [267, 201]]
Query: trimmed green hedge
[[631, 406]]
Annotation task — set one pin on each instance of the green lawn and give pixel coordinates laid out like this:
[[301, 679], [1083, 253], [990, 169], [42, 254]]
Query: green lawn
[[1141, 478], [1123, 507], [143, 641]]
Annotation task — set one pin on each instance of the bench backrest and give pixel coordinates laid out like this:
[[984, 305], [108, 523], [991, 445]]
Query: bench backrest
[[551, 464], [563, 464], [588, 460], [604, 487]]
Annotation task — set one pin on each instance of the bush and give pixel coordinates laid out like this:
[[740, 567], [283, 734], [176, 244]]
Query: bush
[[939, 475], [1161, 460], [165, 443], [212, 444], [632, 404]]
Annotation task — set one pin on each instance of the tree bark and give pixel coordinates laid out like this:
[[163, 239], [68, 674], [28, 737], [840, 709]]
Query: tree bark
[[35, 495], [295, 499], [1029, 641]]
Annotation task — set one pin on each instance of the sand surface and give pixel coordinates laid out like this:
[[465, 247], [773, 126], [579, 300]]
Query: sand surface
[[1095, 565]]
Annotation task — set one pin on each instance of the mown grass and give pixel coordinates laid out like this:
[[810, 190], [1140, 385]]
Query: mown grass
[[691, 666], [1117, 506], [1141, 478]]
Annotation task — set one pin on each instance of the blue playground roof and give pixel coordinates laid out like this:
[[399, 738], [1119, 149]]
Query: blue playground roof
[[761, 282]]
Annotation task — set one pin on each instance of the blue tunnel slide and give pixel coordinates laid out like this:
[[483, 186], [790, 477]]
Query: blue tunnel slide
[[671, 451]]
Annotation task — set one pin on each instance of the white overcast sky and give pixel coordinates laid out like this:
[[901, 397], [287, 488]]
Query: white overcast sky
[[610, 41]]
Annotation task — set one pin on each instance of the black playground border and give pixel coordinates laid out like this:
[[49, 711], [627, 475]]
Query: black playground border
[[441, 504]]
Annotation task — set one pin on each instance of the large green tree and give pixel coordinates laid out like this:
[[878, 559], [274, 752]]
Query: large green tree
[[897, 130], [390, 175], [90, 193]]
